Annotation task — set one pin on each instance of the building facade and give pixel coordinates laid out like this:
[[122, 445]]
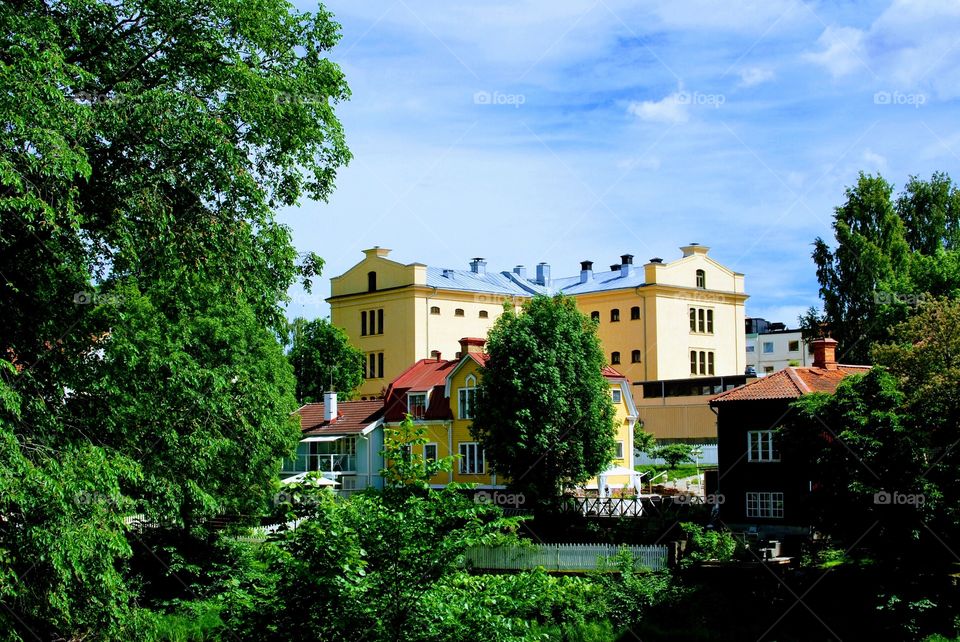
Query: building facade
[[771, 347], [674, 320]]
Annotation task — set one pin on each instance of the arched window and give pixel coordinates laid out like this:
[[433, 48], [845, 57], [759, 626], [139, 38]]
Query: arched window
[[614, 315], [635, 356], [635, 313], [701, 279], [467, 397], [434, 310], [595, 316], [458, 312], [484, 314], [614, 358], [371, 281]]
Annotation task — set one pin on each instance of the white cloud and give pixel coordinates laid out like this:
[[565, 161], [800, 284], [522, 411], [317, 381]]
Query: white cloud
[[874, 162], [670, 109], [753, 76], [842, 50]]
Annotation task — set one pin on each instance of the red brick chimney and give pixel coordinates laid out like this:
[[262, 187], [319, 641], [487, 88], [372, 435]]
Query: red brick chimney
[[470, 345], [825, 353]]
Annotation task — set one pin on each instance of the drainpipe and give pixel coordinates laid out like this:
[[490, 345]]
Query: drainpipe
[[646, 360], [426, 347]]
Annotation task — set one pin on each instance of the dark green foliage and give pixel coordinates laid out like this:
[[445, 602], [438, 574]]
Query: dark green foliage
[[544, 414], [323, 359], [890, 254], [674, 454], [707, 544], [144, 150]]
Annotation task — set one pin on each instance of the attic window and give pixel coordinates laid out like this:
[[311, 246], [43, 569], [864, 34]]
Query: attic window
[[635, 313], [435, 310], [701, 279], [417, 405], [484, 314], [371, 281], [458, 312]]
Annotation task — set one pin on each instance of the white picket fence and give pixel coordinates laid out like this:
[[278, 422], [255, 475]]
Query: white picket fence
[[562, 557]]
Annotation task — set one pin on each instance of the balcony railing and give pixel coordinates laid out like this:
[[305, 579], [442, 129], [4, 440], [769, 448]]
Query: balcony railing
[[322, 463]]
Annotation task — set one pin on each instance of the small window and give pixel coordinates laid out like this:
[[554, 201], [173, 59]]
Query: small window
[[380, 365], [703, 362], [373, 321], [794, 346], [417, 405], [372, 371], [430, 452], [380, 321], [484, 314], [710, 369], [767, 369], [751, 349], [710, 321], [371, 281], [458, 312], [765, 505], [693, 319], [434, 310], [614, 315], [693, 362], [616, 395], [701, 279], [363, 323], [701, 325], [614, 358], [619, 453], [595, 316], [467, 399], [761, 446], [768, 347], [635, 356], [635, 313]]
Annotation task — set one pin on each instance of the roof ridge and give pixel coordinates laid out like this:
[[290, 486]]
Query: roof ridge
[[796, 379]]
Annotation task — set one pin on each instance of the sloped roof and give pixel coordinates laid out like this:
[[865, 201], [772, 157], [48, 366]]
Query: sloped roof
[[427, 376], [352, 417], [790, 383], [612, 373]]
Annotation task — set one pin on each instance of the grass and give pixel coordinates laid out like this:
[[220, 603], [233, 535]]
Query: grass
[[677, 473], [179, 627]]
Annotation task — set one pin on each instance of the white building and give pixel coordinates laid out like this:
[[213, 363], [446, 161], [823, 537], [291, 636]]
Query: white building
[[772, 347]]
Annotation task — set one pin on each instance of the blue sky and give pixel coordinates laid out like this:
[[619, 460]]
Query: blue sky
[[563, 131]]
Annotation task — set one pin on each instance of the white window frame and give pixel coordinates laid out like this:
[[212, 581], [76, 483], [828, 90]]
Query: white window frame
[[764, 505], [765, 345], [465, 410], [426, 403], [469, 462], [616, 395], [436, 452], [761, 446], [619, 450]]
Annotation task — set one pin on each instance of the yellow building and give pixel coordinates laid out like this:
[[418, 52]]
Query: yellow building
[[439, 394], [678, 325]]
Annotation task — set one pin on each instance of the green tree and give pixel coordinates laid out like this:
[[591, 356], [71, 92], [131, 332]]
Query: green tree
[[889, 254], [543, 412], [145, 148], [323, 359], [674, 454]]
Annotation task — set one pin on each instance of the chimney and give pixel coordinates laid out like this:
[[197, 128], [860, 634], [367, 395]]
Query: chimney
[[478, 266], [586, 271], [543, 274], [694, 248], [520, 271], [656, 259], [447, 272], [329, 406], [825, 353], [626, 264], [614, 267], [471, 345], [435, 354]]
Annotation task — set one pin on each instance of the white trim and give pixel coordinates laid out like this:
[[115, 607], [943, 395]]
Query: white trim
[[321, 438]]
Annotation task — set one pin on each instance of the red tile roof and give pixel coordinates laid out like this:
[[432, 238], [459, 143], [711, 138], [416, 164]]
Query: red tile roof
[[426, 375], [790, 383], [352, 417], [612, 373]]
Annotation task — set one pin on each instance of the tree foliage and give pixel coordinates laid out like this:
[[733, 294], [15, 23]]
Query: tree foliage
[[890, 253], [323, 359], [543, 413], [145, 148]]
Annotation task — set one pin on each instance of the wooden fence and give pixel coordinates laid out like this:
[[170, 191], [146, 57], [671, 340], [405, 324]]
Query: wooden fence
[[562, 557]]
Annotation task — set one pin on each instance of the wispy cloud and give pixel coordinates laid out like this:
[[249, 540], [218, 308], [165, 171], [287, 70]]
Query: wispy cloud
[[669, 109]]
